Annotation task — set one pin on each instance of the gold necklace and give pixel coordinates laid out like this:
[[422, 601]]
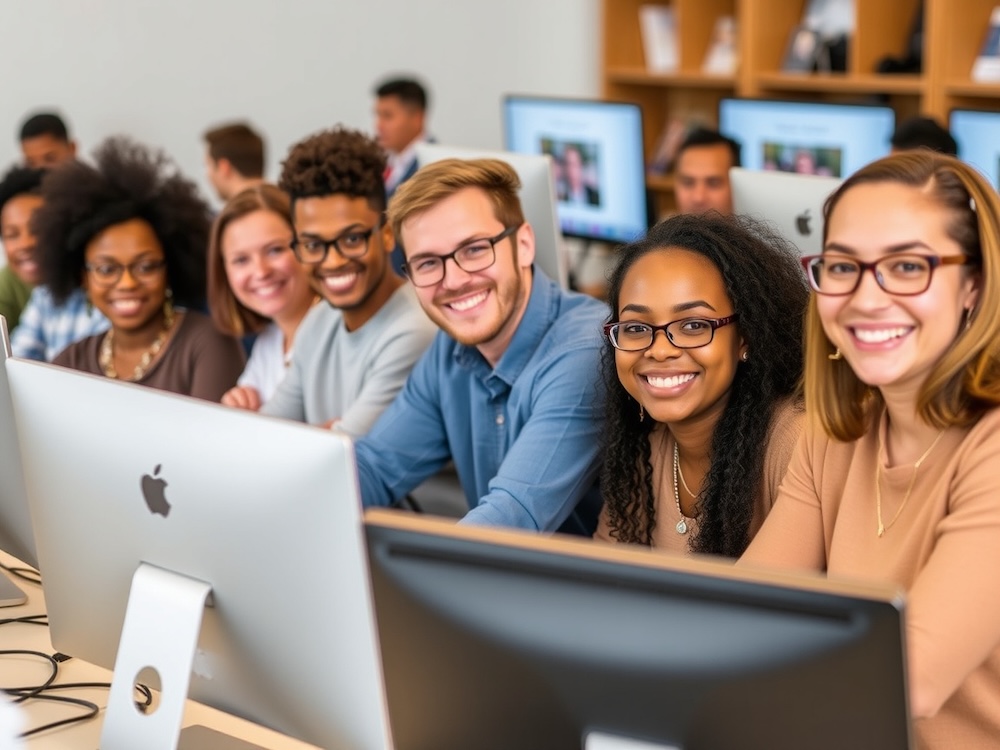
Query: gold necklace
[[882, 528], [681, 526], [106, 356]]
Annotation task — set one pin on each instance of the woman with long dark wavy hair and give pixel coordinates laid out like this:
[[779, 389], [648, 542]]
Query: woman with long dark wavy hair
[[703, 369]]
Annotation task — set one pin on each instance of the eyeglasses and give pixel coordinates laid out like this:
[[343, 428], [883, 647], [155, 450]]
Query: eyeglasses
[[900, 274], [351, 244], [686, 333], [478, 255], [108, 274]]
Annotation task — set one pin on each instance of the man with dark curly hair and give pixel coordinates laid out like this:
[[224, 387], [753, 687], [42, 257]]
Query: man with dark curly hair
[[20, 195], [45, 141], [352, 354], [510, 391]]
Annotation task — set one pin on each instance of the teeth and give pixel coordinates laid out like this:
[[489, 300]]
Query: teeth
[[877, 337], [267, 291], [671, 382], [341, 282], [126, 306], [469, 302]]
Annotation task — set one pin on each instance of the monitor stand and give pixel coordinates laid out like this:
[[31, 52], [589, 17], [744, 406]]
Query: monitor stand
[[10, 594], [161, 628], [601, 741]]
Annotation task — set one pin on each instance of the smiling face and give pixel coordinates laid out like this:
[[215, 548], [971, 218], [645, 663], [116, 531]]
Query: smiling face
[[18, 239], [131, 303], [483, 308], [678, 386], [358, 286], [891, 341], [261, 268]]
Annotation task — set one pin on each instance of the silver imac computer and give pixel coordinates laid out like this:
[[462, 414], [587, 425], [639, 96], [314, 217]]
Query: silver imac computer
[[538, 199], [791, 203], [495, 640], [219, 548], [16, 535]]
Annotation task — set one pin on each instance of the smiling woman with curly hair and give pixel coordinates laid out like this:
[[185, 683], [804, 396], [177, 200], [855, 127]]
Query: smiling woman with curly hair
[[132, 232]]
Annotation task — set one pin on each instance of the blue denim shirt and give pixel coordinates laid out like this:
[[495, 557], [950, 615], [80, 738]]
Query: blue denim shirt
[[524, 436]]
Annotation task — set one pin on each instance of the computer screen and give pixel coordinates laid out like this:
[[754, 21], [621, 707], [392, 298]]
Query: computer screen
[[821, 138], [16, 536], [146, 502], [538, 199], [978, 137], [599, 167], [542, 642]]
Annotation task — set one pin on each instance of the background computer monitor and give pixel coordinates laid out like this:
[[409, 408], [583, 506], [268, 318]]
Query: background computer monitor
[[123, 478], [602, 141], [978, 137], [538, 199], [821, 138], [16, 535], [534, 642]]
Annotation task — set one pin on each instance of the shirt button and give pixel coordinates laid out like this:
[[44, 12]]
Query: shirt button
[[500, 419]]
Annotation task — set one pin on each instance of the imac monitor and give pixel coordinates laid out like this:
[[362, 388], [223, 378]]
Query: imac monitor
[[978, 137], [820, 138], [538, 199], [499, 640], [790, 203], [596, 149], [148, 503], [16, 535]]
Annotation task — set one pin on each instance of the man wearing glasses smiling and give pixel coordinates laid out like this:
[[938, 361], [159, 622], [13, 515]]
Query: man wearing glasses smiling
[[510, 390], [352, 355]]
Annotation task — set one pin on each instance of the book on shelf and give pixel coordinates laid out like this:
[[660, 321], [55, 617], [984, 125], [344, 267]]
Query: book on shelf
[[987, 64], [658, 25], [721, 58]]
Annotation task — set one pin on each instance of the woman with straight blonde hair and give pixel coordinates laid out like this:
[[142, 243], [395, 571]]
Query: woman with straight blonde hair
[[895, 478]]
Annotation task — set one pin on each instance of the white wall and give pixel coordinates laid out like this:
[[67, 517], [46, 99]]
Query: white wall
[[165, 70]]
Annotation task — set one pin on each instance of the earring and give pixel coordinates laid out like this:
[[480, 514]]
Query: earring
[[745, 356], [968, 319], [168, 308], [642, 413], [836, 355]]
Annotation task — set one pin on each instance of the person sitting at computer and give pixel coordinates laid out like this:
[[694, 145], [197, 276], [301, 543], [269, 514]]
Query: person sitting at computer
[[20, 195], [923, 132], [134, 231], [353, 353], [701, 172], [895, 478], [701, 420], [256, 286], [510, 389]]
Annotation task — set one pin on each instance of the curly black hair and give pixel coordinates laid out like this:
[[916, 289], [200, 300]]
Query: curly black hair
[[20, 181], [128, 181], [768, 290], [339, 160]]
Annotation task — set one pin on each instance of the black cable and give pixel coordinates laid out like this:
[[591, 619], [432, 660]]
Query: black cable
[[25, 574], [41, 619], [24, 693]]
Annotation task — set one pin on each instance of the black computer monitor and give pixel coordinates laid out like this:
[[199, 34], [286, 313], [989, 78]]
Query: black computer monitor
[[978, 136], [823, 138], [146, 504], [504, 640], [596, 150]]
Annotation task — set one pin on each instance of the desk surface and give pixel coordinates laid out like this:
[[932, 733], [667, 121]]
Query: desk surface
[[16, 670]]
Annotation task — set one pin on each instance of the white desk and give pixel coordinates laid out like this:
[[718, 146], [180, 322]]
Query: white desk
[[23, 671]]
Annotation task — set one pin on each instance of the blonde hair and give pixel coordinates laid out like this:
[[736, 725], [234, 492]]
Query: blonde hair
[[230, 315], [965, 381], [442, 179]]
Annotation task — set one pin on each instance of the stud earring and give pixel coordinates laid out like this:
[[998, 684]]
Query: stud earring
[[745, 356]]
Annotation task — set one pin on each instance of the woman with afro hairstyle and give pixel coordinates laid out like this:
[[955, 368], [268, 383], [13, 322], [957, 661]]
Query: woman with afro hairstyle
[[702, 367], [132, 232]]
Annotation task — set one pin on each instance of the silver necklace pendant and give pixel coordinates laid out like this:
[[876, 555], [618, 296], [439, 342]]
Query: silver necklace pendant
[[681, 526]]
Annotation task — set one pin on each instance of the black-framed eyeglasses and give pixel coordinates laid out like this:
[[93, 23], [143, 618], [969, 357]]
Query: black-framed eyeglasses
[[477, 255], [109, 273], [686, 333], [901, 274], [351, 244]]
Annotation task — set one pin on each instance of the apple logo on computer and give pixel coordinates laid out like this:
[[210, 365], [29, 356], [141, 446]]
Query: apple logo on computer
[[154, 492], [802, 223]]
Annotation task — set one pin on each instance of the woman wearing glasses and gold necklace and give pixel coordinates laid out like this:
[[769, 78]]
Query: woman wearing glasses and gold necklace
[[702, 369], [896, 477], [135, 232]]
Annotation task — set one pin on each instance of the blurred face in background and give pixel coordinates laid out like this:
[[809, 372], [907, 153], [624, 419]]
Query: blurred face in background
[[701, 180]]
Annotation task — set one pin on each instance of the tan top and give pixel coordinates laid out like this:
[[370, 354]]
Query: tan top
[[944, 549], [785, 428]]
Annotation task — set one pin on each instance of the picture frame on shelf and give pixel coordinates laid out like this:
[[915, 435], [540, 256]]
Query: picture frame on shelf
[[660, 45], [722, 57], [802, 54], [986, 67]]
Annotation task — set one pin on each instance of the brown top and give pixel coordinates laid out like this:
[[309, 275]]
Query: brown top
[[197, 360], [943, 548], [785, 428]]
